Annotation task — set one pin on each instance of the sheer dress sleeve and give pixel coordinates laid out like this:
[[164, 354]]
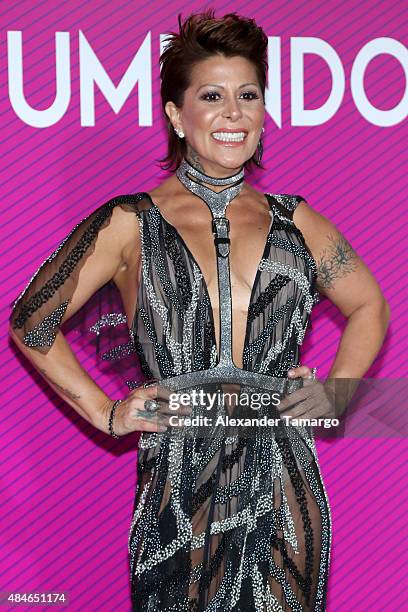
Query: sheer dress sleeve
[[52, 298], [287, 204]]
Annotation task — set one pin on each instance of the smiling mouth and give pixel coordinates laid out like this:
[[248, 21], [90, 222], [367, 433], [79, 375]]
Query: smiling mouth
[[229, 136]]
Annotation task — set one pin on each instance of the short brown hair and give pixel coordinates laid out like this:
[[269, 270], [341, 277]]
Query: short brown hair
[[202, 36]]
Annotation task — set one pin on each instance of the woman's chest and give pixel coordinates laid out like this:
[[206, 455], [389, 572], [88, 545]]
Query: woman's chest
[[248, 237], [262, 252]]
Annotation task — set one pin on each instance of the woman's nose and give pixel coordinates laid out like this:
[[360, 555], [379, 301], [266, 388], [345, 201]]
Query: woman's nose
[[232, 108]]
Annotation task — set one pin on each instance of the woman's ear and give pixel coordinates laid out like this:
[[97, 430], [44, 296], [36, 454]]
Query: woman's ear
[[173, 114]]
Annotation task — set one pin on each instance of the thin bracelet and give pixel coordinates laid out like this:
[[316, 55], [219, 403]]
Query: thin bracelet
[[112, 414]]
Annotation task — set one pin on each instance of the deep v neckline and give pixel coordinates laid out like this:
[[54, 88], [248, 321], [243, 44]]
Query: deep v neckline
[[264, 255]]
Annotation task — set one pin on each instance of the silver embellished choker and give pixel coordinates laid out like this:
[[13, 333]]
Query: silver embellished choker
[[216, 201]]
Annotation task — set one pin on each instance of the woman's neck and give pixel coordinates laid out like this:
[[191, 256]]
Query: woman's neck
[[194, 160], [217, 192]]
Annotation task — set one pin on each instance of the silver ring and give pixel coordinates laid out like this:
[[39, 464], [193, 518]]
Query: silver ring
[[151, 405], [313, 376]]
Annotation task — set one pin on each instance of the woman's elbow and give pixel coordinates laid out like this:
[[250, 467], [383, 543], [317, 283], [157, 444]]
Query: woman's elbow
[[380, 311], [377, 310]]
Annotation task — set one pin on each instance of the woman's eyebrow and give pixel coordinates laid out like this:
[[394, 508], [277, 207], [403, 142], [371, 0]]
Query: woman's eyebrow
[[222, 86]]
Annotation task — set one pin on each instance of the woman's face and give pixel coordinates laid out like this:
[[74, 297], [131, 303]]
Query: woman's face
[[224, 95]]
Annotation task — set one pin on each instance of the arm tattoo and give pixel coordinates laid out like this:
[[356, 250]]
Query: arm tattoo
[[194, 159], [66, 392], [336, 261]]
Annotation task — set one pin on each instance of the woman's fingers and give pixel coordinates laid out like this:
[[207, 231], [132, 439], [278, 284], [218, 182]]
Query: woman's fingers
[[301, 371], [159, 419], [302, 400], [310, 401]]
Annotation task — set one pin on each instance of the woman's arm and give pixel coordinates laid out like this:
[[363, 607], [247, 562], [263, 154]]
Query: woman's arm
[[63, 373], [346, 281], [57, 363]]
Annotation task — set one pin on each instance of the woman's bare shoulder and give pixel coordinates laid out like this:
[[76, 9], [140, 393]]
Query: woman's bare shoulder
[[307, 218], [120, 238], [167, 192], [125, 226], [253, 194]]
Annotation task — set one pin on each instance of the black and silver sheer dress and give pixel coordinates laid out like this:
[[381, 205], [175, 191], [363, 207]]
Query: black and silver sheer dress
[[221, 521]]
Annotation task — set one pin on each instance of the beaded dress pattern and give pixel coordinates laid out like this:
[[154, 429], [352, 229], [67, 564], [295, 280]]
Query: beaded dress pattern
[[229, 523]]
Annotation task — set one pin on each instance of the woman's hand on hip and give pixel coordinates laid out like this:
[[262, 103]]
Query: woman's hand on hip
[[312, 401], [132, 413]]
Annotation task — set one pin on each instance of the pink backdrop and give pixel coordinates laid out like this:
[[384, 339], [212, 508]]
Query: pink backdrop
[[66, 489]]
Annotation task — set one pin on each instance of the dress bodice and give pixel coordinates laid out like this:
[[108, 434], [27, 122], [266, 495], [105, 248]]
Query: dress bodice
[[173, 326]]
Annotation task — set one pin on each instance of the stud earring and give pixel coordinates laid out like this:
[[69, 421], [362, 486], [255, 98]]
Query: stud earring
[[179, 133]]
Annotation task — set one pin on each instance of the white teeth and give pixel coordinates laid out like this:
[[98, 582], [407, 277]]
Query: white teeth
[[228, 137]]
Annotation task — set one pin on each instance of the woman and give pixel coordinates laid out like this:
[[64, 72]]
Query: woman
[[217, 282]]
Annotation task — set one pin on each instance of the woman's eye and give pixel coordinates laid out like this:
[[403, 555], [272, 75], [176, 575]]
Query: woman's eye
[[251, 93], [209, 96], [206, 96]]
